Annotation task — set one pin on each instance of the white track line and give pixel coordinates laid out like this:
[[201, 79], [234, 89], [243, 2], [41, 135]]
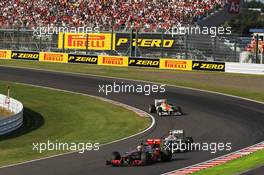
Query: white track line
[[133, 109]]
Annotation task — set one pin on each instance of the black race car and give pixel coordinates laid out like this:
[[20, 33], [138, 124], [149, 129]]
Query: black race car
[[145, 154]]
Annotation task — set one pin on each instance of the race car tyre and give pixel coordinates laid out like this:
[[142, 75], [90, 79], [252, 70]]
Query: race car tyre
[[189, 141], [166, 155], [159, 112], [144, 158], [116, 156], [184, 147], [152, 109], [179, 110]]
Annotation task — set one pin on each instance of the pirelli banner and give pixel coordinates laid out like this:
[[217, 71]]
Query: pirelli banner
[[144, 62], [112, 60], [53, 57], [5, 54], [22, 55], [169, 63], [208, 66], [78, 41]]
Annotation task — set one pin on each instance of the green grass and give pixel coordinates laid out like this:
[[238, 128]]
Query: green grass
[[195, 79], [63, 117], [235, 166]]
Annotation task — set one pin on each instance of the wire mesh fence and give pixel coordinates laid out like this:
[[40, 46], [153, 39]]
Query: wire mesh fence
[[228, 48]]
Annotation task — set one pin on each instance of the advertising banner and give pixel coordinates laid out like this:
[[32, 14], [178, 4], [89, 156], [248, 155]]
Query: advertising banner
[[147, 41], [144, 62], [112, 60], [82, 59], [96, 41], [21, 55], [120, 41], [53, 57], [5, 54], [175, 64], [208, 66]]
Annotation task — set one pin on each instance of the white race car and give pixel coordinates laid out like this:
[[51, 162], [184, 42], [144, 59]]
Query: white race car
[[177, 141]]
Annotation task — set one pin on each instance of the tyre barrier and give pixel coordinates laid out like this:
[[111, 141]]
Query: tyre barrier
[[14, 121]]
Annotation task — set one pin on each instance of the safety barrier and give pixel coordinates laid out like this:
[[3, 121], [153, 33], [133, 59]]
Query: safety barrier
[[13, 122], [246, 68], [160, 63]]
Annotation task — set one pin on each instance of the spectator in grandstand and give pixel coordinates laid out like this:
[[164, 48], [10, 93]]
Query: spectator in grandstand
[[105, 14]]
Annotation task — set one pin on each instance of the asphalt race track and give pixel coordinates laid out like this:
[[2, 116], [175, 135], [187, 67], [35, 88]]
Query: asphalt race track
[[257, 171], [209, 118]]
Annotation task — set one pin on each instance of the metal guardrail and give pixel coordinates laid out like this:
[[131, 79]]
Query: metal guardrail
[[16, 120]]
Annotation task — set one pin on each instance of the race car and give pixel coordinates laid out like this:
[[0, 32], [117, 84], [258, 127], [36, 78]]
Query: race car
[[162, 108], [177, 141], [146, 153]]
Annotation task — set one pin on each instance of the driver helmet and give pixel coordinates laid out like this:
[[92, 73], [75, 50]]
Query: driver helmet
[[139, 147]]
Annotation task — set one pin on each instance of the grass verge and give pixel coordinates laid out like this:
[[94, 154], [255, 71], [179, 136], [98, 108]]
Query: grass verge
[[63, 117], [236, 166]]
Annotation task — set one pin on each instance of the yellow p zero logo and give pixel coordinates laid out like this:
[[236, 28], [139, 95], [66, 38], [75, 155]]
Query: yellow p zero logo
[[142, 42], [113, 60], [148, 62], [53, 57], [212, 66], [196, 65], [25, 55], [86, 59], [96, 41], [122, 41], [132, 61], [175, 64], [208, 66], [144, 62], [5, 54]]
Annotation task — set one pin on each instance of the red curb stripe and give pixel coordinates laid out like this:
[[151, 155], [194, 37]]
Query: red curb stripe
[[219, 161], [196, 169]]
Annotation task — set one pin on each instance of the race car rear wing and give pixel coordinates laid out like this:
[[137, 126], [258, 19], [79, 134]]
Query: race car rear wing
[[153, 141], [179, 132], [159, 101]]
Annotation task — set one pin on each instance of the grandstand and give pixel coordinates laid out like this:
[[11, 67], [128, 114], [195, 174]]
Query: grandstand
[[146, 20], [149, 15]]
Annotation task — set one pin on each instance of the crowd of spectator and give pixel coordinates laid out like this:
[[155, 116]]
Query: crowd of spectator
[[105, 14]]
